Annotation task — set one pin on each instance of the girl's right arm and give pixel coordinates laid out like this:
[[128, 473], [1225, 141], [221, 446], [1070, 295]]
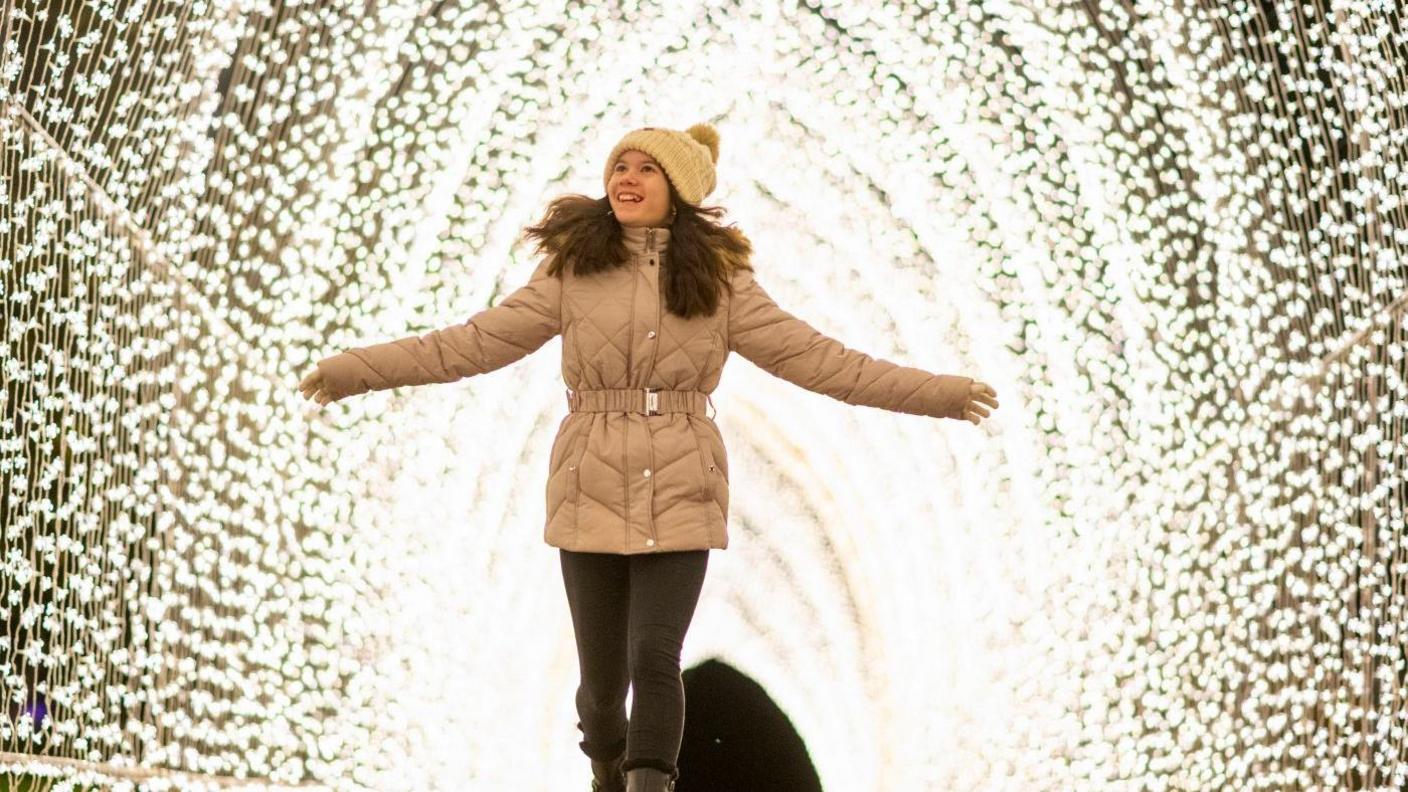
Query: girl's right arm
[[490, 339]]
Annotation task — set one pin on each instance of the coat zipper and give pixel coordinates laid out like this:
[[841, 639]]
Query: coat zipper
[[650, 247]]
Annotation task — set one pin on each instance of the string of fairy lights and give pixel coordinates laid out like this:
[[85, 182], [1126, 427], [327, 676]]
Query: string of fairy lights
[[1172, 238]]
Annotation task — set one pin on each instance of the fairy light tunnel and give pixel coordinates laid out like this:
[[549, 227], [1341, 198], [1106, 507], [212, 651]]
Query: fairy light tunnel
[[1171, 236]]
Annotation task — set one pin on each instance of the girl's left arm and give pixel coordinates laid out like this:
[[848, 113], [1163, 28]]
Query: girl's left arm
[[790, 348]]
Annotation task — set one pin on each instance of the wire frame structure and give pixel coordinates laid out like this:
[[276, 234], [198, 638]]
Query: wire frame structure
[[1171, 235]]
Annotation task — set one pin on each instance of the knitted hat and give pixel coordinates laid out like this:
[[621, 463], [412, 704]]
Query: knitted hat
[[688, 157]]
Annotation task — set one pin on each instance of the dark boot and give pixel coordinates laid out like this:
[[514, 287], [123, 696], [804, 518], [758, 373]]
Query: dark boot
[[648, 779], [607, 776]]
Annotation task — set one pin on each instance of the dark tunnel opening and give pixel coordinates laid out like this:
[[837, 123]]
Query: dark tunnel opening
[[736, 739]]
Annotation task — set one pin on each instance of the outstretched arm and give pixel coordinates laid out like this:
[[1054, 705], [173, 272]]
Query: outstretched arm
[[787, 347], [490, 339]]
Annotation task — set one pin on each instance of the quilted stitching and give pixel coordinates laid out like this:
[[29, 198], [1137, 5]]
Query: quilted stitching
[[678, 350]]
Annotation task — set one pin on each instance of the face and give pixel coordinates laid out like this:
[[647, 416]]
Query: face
[[635, 174]]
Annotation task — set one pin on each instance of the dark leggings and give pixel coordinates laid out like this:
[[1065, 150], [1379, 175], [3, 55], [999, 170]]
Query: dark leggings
[[630, 614]]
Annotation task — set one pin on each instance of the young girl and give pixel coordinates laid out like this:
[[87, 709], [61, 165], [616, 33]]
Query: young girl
[[651, 295]]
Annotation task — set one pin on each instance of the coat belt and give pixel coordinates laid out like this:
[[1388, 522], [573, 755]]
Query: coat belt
[[651, 401]]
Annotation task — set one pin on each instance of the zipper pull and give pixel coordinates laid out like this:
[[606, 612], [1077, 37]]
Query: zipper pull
[[649, 239]]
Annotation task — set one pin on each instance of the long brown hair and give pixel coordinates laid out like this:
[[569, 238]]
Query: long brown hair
[[581, 232]]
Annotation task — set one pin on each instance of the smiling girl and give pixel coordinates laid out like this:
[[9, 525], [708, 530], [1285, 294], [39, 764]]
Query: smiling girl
[[651, 295]]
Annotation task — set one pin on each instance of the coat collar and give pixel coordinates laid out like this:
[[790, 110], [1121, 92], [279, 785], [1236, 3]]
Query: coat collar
[[640, 241]]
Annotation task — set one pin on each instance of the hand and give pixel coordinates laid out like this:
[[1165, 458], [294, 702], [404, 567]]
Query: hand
[[312, 388], [980, 397]]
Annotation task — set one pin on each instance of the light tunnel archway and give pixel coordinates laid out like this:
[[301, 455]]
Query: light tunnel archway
[[1173, 238]]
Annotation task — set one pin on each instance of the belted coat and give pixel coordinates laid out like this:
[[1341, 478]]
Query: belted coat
[[637, 465]]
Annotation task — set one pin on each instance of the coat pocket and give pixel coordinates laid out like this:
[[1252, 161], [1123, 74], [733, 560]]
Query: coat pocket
[[713, 462], [564, 466], [718, 455]]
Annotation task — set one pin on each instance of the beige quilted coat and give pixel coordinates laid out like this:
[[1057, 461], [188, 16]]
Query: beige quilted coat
[[631, 472]]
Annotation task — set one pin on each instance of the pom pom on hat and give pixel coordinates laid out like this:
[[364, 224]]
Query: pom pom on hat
[[687, 157], [709, 137]]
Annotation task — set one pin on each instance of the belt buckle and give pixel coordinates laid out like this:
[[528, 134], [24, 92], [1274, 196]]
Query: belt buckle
[[652, 401]]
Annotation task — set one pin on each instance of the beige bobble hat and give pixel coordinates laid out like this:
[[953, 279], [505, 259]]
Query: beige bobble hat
[[687, 157]]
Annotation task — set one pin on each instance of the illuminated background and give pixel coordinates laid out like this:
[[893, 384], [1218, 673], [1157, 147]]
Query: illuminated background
[[1170, 235]]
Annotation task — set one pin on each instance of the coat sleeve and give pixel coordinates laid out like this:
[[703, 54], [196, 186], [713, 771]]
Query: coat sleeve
[[490, 339], [787, 347]]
